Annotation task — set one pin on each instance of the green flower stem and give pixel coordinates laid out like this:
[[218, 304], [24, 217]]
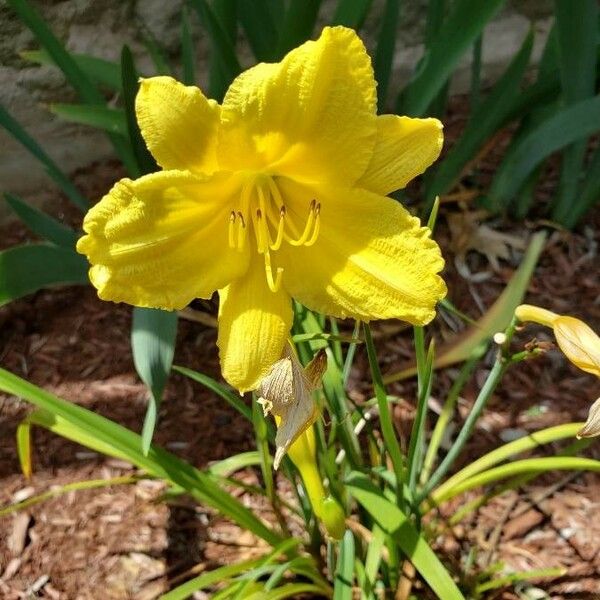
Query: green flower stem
[[486, 392], [385, 418], [448, 411], [503, 361], [351, 352], [425, 374]]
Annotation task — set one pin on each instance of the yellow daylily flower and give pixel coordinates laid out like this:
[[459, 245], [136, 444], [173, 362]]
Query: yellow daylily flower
[[278, 193], [578, 342]]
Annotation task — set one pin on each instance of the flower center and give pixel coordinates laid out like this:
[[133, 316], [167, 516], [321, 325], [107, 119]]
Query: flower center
[[263, 216]]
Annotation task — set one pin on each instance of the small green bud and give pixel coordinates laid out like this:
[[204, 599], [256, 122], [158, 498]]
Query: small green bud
[[333, 517]]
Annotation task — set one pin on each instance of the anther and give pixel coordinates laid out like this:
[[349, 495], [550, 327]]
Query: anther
[[232, 230], [308, 228], [315, 233], [280, 230], [241, 232]]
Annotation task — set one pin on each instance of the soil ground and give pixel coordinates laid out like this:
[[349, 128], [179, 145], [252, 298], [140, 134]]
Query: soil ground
[[120, 542]]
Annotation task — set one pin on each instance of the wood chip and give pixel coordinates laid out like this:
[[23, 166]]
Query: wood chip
[[18, 535]]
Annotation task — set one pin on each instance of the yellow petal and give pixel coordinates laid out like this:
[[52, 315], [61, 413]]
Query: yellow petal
[[404, 148], [178, 123], [311, 116], [579, 343], [372, 259], [162, 240], [254, 323]]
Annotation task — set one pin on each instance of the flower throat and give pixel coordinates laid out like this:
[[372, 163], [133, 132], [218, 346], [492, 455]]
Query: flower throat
[[264, 216]]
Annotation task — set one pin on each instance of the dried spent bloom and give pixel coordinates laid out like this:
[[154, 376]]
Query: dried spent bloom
[[287, 393], [280, 192], [578, 342], [592, 424]]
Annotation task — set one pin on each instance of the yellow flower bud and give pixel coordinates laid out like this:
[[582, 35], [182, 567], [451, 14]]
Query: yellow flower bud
[[579, 343], [536, 314]]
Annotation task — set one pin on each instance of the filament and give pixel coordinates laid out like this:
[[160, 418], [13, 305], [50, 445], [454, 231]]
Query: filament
[[274, 284]]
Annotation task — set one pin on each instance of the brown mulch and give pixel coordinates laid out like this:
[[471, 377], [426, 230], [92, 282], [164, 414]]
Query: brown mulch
[[121, 542]]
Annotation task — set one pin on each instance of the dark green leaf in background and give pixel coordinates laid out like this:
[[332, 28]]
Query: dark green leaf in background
[[257, 20], [489, 118], [77, 78], [459, 31], [99, 71], [27, 269], [225, 65], [577, 40], [187, 49], [65, 184], [567, 126], [351, 13], [42, 224], [100, 117], [298, 25], [144, 160], [384, 55]]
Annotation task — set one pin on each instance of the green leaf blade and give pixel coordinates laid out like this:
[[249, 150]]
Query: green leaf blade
[[108, 119], [102, 435], [459, 31], [29, 268], [42, 224], [565, 127], [492, 114], [153, 335], [344, 574], [18, 132], [394, 522]]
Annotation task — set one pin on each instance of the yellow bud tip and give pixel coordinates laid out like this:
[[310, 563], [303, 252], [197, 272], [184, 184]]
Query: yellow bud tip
[[535, 314]]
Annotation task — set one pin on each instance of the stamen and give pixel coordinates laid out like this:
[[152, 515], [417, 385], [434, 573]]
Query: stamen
[[263, 208], [241, 236], [274, 284], [232, 230], [308, 228], [280, 227], [259, 231], [315, 233]]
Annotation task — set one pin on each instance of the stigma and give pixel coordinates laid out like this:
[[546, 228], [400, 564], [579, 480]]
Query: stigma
[[263, 220]]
